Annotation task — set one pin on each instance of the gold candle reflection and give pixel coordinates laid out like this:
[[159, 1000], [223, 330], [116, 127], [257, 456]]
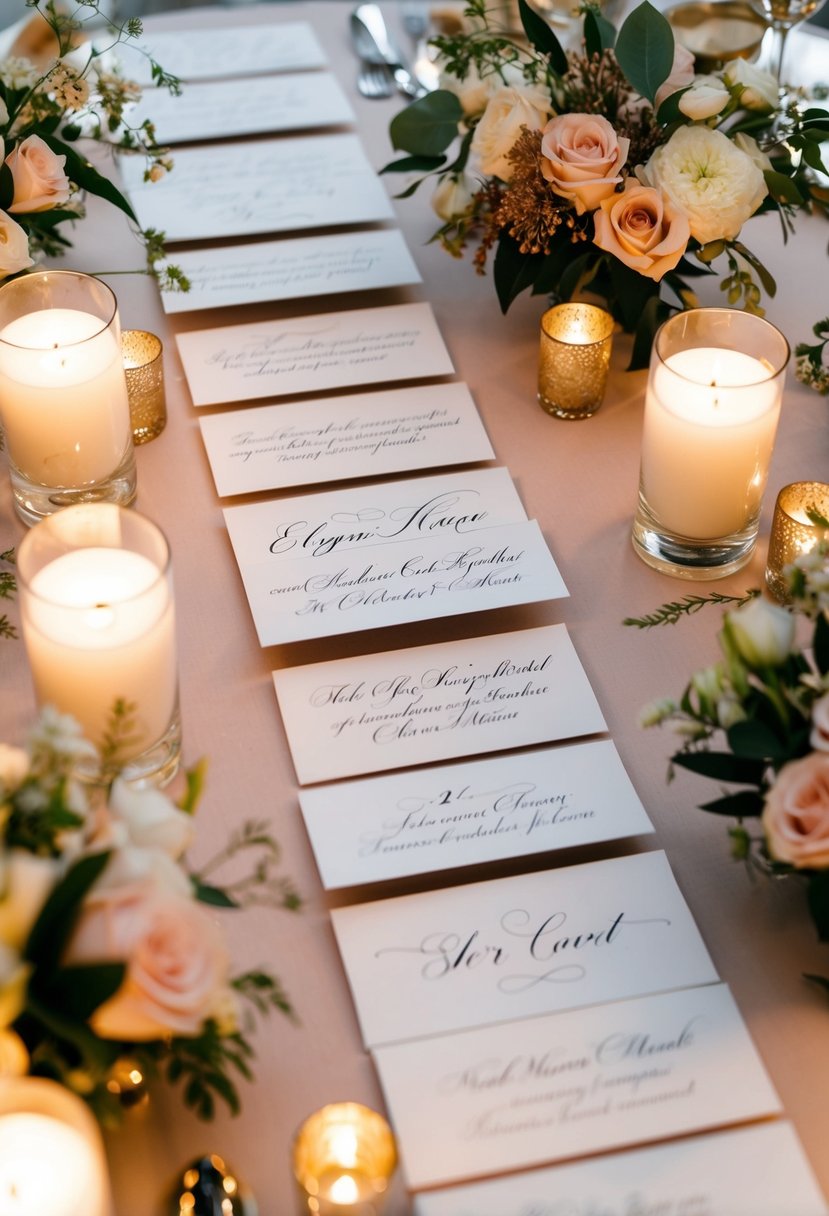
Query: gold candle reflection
[[796, 530], [344, 1158], [144, 370], [573, 360]]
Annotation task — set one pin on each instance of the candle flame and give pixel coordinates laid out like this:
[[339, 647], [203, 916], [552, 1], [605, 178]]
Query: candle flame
[[344, 1190]]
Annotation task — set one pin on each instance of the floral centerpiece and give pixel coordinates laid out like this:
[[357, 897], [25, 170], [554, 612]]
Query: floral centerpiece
[[110, 948], [614, 169], [758, 721], [45, 108]]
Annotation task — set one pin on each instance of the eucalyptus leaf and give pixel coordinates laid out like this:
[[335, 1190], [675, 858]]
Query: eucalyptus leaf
[[645, 49], [783, 188], [78, 991], [745, 804], [57, 917], [513, 271], [80, 170], [755, 740], [542, 37], [722, 766], [427, 127], [415, 164]]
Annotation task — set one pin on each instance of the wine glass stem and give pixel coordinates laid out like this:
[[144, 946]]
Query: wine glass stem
[[781, 34]]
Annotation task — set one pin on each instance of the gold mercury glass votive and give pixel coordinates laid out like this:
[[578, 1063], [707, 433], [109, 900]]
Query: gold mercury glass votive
[[144, 370], [573, 359], [793, 533], [344, 1156]]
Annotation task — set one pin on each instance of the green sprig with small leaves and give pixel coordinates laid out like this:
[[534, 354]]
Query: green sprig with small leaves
[[670, 613], [8, 591], [810, 365]]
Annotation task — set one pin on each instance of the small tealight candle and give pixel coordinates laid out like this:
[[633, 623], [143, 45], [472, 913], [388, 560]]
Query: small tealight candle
[[344, 1158], [796, 530], [573, 359], [51, 1156]]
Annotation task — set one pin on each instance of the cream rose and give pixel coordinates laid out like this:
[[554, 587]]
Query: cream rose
[[796, 814], [757, 90], [706, 97], [762, 633], [39, 180], [703, 174], [14, 247], [641, 230], [452, 196], [177, 963], [151, 819], [582, 158], [507, 112]]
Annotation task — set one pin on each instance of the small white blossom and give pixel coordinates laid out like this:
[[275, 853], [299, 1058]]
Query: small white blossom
[[656, 712], [19, 73]]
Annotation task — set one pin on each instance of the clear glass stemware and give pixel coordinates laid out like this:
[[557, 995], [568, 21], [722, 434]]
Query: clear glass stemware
[[782, 16]]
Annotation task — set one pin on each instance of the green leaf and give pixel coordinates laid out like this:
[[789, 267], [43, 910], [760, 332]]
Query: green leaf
[[669, 112], [574, 273], [427, 126], [414, 164], [645, 49], [812, 157], [214, 896], [745, 804], [820, 642], [96, 1053], [57, 917], [6, 187], [653, 314], [755, 740], [722, 766], [542, 37], [555, 263], [602, 33], [631, 291], [783, 188], [764, 275], [78, 991], [79, 170], [818, 897], [513, 271]]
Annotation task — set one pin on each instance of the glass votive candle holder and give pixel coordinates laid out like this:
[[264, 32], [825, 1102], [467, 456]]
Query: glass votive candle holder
[[96, 606], [715, 387], [144, 370], [63, 394], [796, 529], [573, 359], [344, 1157]]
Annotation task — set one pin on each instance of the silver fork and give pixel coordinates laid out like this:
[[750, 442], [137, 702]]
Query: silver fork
[[375, 80]]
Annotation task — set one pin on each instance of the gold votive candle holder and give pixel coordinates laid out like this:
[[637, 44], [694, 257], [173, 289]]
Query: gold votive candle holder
[[344, 1157], [793, 532], [573, 359], [144, 369]]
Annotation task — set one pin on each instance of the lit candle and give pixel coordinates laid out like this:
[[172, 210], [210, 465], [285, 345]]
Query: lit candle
[[51, 1159], [796, 529], [344, 1158], [710, 420], [63, 397], [573, 359], [98, 620]]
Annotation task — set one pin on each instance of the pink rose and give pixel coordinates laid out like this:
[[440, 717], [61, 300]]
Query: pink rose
[[642, 230], [796, 815], [582, 158], [176, 961], [39, 180]]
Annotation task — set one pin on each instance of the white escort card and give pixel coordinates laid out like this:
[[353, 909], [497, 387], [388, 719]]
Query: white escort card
[[272, 447], [404, 551], [403, 707], [292, 269], [516, 947], [238, 50], [313, 354], [221, 109], [515, 1095], [454, 815], [266, 185], [754, 1171]]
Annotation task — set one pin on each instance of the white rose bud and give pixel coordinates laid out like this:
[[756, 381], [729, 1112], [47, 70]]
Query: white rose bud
[[758, 90], [452, 197], [762, 633], [706, 97]]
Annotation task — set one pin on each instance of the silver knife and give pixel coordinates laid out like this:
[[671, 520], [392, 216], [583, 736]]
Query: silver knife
[[372, 43]]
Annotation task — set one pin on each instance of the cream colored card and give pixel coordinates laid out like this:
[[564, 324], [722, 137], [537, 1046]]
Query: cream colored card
[[253, 186], [510, 948], [273, 447], [292, 269], [515, 1095], [313, 354], [753, 1171], [221, 109], [237, 50], [439, 702], [454, 815]]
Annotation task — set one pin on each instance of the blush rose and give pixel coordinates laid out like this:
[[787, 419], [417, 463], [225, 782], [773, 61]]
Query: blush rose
[[582, 158], [640, 229], [39, 180], [796, 814]]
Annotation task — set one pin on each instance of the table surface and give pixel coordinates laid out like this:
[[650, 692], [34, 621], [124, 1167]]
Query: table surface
[[580, 481]]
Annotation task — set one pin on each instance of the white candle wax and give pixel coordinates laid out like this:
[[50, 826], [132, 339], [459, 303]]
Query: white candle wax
[[710, 421], [63, 397], [47, 1168], [99, 626]]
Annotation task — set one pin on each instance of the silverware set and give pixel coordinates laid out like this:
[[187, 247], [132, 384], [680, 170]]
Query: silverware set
[[383, 67]]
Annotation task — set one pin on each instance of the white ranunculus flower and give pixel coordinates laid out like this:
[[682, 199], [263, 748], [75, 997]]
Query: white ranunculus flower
[[762, 633], [749, 145], [151, 819], [758, 89], [141, 869], [506, 113], [452, 196], [706, 97], [25, 883], [708, 178]]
